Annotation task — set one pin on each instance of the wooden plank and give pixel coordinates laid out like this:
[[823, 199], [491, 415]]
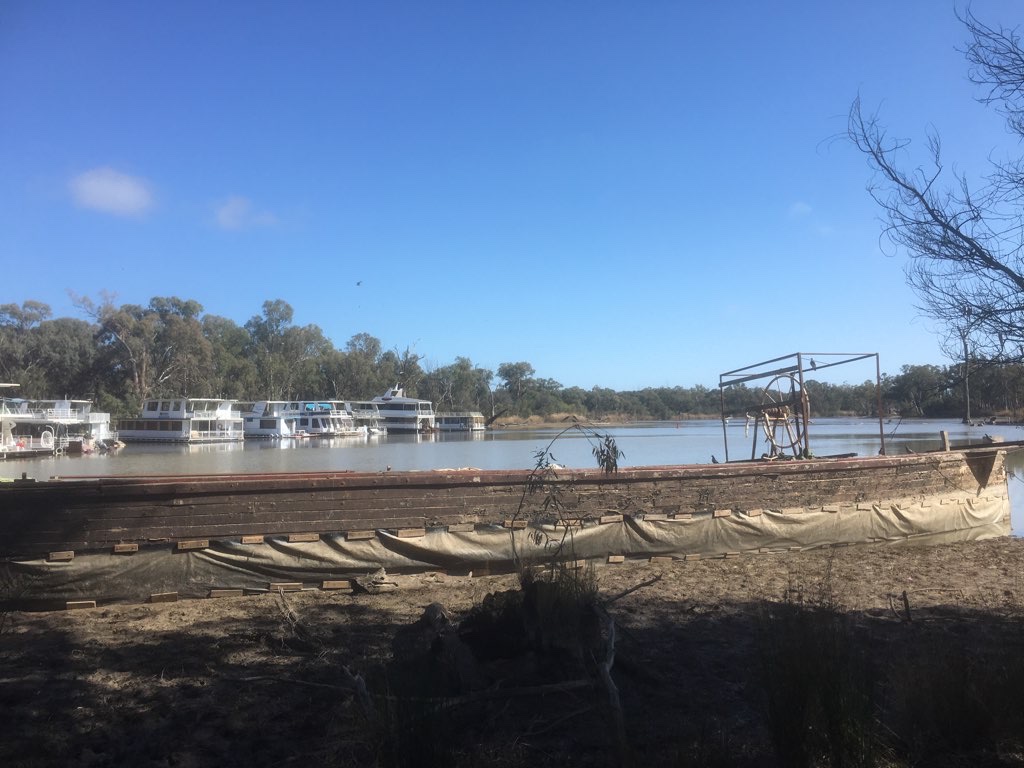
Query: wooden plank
[[336, 584], [514, 524], [125, 549], [691, 557], [184, 546], [462, 528], [164, 597], [65, 556], [605, 519], [616, 558], [722, 513], [74, 605], [285, 586], [661, 559], [411, 533], [360, 535], [253, 539], [300, 537]]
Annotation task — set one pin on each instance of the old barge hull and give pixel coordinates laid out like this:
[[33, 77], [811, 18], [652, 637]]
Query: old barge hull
[[126, 537]]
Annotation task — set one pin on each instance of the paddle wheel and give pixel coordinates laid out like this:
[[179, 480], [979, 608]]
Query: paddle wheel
[[781, 418]]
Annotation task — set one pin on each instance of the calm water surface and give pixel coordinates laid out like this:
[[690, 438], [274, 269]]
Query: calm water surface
[[684, 442]]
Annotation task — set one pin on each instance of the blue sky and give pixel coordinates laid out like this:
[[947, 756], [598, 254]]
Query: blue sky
[[622, 194]]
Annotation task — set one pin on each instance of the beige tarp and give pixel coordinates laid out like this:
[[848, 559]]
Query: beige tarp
[[133, 577]]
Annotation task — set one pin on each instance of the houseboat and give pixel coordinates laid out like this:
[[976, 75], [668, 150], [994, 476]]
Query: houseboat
[[461, 421], [184, 420], [321, 418], [267, 418], [41, 427], [405, 414], [365, 414]]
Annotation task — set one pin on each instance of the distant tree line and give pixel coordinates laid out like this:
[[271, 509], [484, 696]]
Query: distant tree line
[[124, 354]]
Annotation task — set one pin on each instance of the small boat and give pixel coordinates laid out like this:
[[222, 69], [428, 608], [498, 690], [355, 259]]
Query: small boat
[[184, 420], [461, 421], [405, 414]]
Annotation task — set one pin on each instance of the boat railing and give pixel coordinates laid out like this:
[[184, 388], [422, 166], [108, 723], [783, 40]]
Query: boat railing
[[219, 433]]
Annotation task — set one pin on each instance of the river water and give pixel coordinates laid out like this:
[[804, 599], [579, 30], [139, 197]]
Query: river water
[[684, 442]]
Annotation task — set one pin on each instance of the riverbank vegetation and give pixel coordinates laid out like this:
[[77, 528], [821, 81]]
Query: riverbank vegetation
[[123, 354]]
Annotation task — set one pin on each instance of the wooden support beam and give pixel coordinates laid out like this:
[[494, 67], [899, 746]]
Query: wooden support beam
[[285, 586], [125, 549], [336, 584]]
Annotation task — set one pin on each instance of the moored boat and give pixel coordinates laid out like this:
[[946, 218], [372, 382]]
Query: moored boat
[[405, 414], [184, 420], [268, 419], [41, 427], [461, 421], [365, 414]]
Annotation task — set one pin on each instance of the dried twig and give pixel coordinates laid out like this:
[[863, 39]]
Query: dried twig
[[631, 590]]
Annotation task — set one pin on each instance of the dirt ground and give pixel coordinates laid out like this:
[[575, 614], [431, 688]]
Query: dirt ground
[[268, 680]]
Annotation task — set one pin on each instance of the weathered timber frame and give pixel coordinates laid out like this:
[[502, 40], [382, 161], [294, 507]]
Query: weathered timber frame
[[797, 365]]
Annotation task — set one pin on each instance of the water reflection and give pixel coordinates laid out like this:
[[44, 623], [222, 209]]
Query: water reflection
[[685, 442]]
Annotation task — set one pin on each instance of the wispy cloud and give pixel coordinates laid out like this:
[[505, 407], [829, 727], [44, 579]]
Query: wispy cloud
[[237, 213], [108, 191], [799, 210]]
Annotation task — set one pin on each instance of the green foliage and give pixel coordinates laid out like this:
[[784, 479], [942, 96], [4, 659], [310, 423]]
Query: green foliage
[[123, 354]]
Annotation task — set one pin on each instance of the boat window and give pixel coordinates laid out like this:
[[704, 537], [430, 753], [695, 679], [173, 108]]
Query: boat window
[[152, 405], [268, 423]]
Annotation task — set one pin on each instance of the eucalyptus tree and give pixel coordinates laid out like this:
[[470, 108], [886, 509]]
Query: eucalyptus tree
[[516, 381], [285, 354], [460, 386], [358, 377], [17, 364], [65, 358], [964, 238], [233, 371]]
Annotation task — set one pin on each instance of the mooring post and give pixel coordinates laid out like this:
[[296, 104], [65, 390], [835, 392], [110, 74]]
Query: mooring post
[[945, 439]]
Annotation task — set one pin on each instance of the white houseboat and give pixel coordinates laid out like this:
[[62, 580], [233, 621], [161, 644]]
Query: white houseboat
[[461, 421], [365, 414], [184, 420], [268, 418], [50, 426], [405, 414], [321, 418]]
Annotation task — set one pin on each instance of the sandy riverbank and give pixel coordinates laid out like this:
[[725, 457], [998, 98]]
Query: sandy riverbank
[[261, 680]]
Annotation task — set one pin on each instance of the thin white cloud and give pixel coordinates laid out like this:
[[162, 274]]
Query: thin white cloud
[[108, 191], [237, 213], [799, 209]]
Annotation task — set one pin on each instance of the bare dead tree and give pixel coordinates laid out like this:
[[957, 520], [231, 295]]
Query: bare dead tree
[[965, 240]]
